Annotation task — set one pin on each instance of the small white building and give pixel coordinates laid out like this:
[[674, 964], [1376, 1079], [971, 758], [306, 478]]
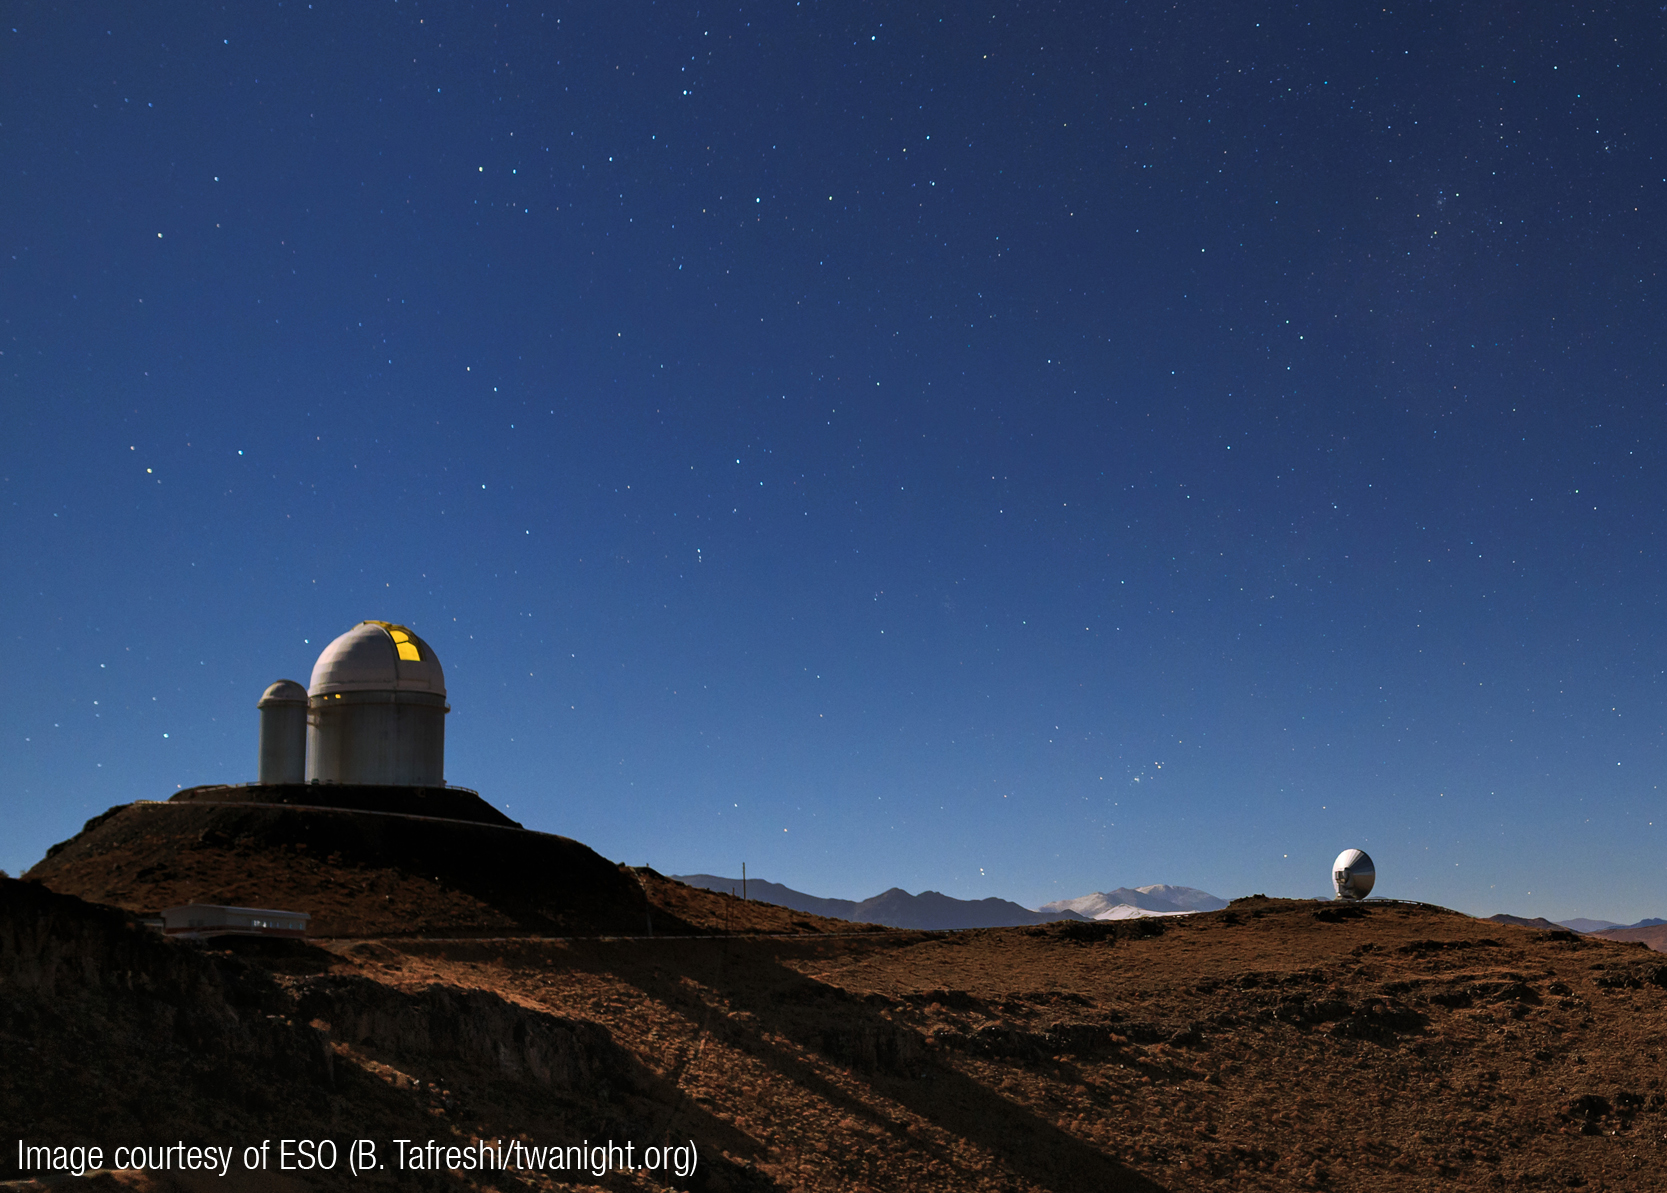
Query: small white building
[[195, 921]]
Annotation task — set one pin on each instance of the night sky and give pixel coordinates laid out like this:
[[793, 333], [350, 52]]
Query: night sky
[[1011, 450]]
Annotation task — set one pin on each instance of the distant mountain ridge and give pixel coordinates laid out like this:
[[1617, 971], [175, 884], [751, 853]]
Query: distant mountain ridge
[[895, 908], [1606, 925], [1584, 925], [1538, 921], [774, 892], [1651, 933], [1128, 902]]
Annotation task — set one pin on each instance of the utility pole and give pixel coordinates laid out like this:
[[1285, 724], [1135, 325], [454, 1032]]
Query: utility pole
[[743, 882]]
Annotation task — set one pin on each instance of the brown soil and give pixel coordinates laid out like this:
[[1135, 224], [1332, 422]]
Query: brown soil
[[1276, 1045]]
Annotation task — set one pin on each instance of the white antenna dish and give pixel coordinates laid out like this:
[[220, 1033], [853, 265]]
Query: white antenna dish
[[1353, 874]]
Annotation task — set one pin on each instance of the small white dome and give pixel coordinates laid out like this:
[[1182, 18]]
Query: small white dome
[[1353, 874], [285, 691], [377, 656]]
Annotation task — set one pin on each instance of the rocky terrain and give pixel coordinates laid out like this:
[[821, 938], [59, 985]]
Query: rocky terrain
[[1276, 1044]]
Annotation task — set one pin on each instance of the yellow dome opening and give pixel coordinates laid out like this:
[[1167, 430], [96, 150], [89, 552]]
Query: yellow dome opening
[[402, 641]]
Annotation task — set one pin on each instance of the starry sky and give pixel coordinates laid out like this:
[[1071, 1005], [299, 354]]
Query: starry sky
[[1005, 449]]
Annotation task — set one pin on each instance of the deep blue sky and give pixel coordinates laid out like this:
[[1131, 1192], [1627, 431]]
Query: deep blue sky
[[1014, 450]]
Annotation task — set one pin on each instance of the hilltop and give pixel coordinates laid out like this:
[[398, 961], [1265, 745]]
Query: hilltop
[[368, 871]]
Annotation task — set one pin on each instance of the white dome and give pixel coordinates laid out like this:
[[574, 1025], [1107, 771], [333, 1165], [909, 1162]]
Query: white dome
[[285, 691], [1353, 874], [377, 656]]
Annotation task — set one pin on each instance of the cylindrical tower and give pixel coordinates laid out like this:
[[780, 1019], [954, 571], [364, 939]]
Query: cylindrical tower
[[283, 733], [376, 710]]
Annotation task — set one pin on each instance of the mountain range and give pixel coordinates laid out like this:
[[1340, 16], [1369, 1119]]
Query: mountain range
[[1128, 902], [1642, 930], [1584, 925], [897, 908]]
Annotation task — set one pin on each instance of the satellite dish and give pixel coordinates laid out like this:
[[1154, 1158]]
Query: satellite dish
[[1353, 874]]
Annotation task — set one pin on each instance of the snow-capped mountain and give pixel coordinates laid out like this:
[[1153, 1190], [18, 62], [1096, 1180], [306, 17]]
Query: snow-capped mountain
[[929, 909], [1129, 902]]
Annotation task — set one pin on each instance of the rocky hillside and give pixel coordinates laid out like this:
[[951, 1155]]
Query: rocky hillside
[[1274, 1045], [366, 872]]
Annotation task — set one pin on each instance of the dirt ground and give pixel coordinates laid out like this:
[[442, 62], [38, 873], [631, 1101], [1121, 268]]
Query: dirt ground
[[1275, 1045], [1279, 1050]]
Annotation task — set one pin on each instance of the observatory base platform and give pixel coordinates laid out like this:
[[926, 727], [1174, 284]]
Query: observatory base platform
[[444, 803]]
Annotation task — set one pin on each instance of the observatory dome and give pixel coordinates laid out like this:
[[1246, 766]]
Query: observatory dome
[[1353, 874], [377, 656], [285, 691], [376, 710], [283, 733]]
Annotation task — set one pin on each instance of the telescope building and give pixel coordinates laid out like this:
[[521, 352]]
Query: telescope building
[[374, 714]]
